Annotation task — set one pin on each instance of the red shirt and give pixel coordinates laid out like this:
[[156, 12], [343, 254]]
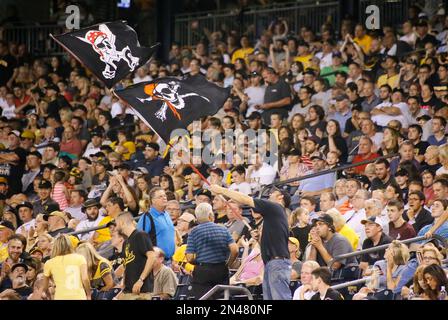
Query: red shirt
[[73, 147], [406, 231], [18, 102], [360, 158]]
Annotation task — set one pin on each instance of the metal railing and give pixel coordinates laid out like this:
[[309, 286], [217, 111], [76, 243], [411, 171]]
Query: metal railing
[[36, 38], [383, 247], [227, 290], [321, 173], [255, 20]]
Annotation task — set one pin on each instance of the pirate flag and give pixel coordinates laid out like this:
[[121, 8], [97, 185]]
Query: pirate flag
[[167, 104], [110, 50]]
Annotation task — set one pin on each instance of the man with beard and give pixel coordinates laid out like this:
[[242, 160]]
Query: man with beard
[[139, 257], [383, 176], [18, 280], [91, 208], [12, 163], [16, 245]]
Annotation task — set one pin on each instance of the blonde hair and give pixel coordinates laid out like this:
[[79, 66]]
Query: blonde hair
[[430, 247], [338, 219], [62, 246], [312, 264], [370, 169], [293, 218], [443, 152], [400, 252], [87, 250]]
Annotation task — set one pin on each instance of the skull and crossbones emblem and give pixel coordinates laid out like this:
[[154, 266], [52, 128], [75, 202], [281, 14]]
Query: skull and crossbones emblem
[[169, 95], [103, 42]]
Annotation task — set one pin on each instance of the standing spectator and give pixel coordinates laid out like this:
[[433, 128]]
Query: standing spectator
[[277, 96], [139, 258], [12, 163], [274, 239], [68, 270], [157, 223], [211, 249]]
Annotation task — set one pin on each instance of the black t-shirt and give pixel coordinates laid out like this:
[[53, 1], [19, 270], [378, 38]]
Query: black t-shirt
[[302, 235], [56, 105], [14, 172], [313, 128], [420, 148], [349, 126], [378, 184], [330, 295], [134, 255], [7, 65], [433, 103], [431, 167], [373, 257], [274, 238], [275, 92], [24, 291], [341, 145]]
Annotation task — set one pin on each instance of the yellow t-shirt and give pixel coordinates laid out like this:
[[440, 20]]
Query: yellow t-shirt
[[179, 257], [364, 42], [66, 274], [351, 236], [393, 81], [305, 60], [103, 235], [3, 252], [243, 54], [128, 145]]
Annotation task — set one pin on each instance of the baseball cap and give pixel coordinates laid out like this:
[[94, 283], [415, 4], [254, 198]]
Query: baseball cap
[[99, 131], [318, 155], [27, 134], [15, 132], [91, 203], [52, 87], [152, 145], [205, 192], [123, 166], [25, 204], [75, 172], [326, 218], [51, 207], [20, 264], [35, 153], [254, 115], [187, 217], [7, 224], [294, 241], [140, 170], [376, 220], [3, 180], [59, 214], [36, 249], [294, 152], [44, 184], [254, 74]]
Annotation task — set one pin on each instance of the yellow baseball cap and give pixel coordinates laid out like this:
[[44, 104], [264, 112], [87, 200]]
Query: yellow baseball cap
[[294, 241]]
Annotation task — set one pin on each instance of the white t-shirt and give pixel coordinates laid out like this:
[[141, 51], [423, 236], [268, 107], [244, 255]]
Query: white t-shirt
[[308, 295], [27, 226], [325, 61], [441, 171], [85, 224], [256, 96], [90, 150], [322, 99], [243, 187], [263, 176], [383, 119], [76, 213], [116, 109], [8, 111]]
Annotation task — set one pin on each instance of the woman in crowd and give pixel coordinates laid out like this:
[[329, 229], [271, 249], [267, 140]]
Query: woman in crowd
[[436, 281], [334, 141]]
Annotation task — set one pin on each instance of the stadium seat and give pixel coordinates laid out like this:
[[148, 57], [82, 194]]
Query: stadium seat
[[345, 274]]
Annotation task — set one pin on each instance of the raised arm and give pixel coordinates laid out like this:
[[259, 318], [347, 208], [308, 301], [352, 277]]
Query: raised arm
[[234, 195]]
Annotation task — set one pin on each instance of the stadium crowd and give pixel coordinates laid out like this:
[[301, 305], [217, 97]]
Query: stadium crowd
[[74, 157]]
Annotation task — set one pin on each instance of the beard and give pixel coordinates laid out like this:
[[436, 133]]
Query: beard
[[90, 218]]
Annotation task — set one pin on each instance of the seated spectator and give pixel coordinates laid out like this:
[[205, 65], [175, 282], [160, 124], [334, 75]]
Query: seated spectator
[[343, 229], [320, 283], [165, 280], [399, 229], [305, 291], [327, 244], [250, 272], [300, 227], [374, 227], [437, 210], [294, 253], [437, 282]]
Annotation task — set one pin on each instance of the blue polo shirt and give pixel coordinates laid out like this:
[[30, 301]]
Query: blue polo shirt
[[210, 242], [165, 233]]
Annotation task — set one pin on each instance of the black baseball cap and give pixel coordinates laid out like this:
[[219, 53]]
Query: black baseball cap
[[20, 264], [7, 224], [25, 204], [205, 192], [44, 184], [123, 166], [254, 115], [51, 207], [152, 145], [294, 152], [326, 218]]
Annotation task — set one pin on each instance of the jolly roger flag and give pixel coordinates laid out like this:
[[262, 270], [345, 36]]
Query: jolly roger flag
[[110, 50], [167, 104]]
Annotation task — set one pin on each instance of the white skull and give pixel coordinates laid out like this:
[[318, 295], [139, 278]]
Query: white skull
[[168, 91]]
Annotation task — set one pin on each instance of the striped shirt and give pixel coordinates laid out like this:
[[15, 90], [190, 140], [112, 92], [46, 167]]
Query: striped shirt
[[58, 195], [210, 242]]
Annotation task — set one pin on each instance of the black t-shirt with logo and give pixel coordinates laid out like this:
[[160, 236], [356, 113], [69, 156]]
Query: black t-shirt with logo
[[420, 148], [373, 257], [134, 255], [14, 172]]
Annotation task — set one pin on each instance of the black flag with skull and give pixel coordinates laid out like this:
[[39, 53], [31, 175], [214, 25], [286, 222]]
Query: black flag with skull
[[167, 104], [110, 50]]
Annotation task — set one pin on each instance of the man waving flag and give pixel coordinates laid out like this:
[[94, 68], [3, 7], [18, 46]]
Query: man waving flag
[[110, 50], [167, 104]]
